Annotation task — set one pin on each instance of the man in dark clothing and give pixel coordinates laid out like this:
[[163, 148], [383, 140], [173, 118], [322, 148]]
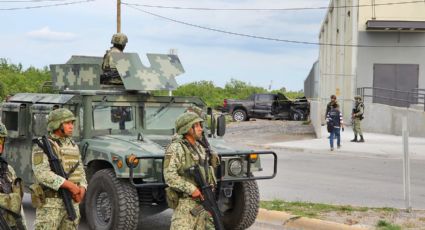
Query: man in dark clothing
[[334, 119], [329, 105]]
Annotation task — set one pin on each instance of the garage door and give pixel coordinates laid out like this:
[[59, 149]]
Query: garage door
[[389, 79]]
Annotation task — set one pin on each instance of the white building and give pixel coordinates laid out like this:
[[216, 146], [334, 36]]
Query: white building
[[371, 43]]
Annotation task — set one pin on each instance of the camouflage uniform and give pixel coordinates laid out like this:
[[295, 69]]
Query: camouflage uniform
[[111, 75], [51, 213], [357, 117], [10, 192], [180, 155]]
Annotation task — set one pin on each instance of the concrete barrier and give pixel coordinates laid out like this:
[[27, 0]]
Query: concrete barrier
[[316, 117], [387, 119]]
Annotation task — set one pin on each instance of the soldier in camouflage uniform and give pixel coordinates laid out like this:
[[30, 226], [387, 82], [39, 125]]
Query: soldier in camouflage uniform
[[357, 116], [50, 213], [10, 190], [184, 152], [110, 74]]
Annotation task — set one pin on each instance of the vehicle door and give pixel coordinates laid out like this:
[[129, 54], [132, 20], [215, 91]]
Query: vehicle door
[[284, 105], [263, 104]]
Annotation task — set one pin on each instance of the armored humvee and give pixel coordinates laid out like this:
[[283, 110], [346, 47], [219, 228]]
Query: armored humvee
[[122, 131]]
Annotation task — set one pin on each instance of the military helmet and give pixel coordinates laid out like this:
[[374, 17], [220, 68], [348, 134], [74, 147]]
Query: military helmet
[[358, 97], [185, 121], [3, 130], [119, 39], [57, 117]]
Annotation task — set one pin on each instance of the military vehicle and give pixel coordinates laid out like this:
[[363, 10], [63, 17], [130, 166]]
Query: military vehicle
[[122, 131]]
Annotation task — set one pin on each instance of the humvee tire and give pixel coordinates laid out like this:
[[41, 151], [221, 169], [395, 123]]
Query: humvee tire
[[245, 208], [107, 195]]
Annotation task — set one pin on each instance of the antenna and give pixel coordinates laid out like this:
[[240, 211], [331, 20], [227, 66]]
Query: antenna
[[118, 16]]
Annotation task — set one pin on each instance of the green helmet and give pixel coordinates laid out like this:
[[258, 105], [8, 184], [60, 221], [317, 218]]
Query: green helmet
[[3, 130], [185, 121], [119, 39], [57, 117]]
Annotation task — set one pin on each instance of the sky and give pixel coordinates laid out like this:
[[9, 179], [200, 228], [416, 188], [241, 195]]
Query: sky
[[50, 35]]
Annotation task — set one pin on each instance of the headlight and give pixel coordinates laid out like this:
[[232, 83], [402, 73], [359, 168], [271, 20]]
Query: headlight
[[235, 167], [132, 161]]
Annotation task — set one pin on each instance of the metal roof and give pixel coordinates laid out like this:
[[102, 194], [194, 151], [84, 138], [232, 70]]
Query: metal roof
[[393, 25]]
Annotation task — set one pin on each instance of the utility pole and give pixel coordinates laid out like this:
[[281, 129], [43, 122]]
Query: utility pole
[[118, 16]]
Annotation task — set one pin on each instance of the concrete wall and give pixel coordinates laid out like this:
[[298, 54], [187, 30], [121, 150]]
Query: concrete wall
[[315, 116], [311, 83], [388, 119]]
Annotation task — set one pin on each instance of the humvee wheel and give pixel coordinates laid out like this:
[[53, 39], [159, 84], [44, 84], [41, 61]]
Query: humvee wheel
[[246, 202], [111, 203]]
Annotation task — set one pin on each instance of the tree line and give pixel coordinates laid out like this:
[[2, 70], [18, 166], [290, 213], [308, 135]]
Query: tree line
[[14, 79]]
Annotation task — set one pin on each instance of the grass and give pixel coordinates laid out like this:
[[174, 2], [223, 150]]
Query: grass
[[384, 225], [313, 210]]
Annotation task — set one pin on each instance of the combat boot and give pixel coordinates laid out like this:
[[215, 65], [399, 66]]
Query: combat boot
[[355, 139], [361, 138]]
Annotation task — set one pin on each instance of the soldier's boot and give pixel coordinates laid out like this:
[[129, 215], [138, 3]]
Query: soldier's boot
[[355, 138], [361, 138]]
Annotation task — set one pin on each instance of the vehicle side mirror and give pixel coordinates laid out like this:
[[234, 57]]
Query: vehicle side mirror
[[212, 121], [221, 125], [209, 111]]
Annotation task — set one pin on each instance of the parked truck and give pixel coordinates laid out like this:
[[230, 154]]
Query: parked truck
[[268, 106], [122, 132]]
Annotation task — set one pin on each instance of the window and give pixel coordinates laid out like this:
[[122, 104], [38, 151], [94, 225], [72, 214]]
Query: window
[[10, 120], [113, 117], [39, 124]]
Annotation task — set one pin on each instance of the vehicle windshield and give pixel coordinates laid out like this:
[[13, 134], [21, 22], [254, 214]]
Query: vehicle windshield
[[113, 117], [162, 116]]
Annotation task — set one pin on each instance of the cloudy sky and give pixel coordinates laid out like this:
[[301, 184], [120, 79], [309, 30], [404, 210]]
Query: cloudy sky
[[41, 36]]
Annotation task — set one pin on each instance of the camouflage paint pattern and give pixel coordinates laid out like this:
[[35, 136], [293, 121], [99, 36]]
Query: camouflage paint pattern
[[76, 76], [52, 215], [159, 76], [12, 201]]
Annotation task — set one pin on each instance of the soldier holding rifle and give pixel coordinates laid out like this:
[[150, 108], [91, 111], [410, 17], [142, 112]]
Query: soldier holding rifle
[[49, 193], [11, 211], [184, 193]]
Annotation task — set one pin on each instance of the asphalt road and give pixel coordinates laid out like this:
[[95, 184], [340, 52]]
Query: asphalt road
[[330, 178]]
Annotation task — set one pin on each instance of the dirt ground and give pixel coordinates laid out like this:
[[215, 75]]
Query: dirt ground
[[257, 132]]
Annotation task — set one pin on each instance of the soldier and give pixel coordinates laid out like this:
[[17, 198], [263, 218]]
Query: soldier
[[357, 116], [10, 190], [110, 74], [50, 212], [183, 194]]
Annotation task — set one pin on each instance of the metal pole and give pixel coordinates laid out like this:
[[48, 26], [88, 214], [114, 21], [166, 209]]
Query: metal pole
[[118, 16], [406, 165]]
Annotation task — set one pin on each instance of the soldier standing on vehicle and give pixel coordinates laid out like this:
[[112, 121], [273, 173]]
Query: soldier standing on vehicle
[[50, 212], [357, 116], [183, 193], [11, 190], [110, 74]]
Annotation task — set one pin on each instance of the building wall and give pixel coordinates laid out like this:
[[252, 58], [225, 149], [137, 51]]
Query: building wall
[[311, 83], [345, 68]]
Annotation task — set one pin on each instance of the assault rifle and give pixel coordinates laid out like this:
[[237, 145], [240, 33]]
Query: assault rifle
[[208, 202], [18, 219], [57, 168], [3, 223]]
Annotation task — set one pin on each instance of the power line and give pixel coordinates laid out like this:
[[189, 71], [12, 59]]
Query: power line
[[25, 1], [271, 38], [270, 9], [45, 6]]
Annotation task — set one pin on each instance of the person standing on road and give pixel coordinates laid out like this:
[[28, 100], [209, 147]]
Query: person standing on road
[[329, 105], [50, 211], [11, 190], [183, 194], [357, 117], [335, 120]]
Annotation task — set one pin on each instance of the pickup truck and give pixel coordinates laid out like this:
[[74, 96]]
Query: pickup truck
[[268, 106]]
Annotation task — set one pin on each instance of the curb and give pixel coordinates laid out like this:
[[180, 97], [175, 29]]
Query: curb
[[283, 220]]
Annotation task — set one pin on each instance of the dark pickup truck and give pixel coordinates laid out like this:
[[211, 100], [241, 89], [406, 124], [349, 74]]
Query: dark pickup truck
[[269, 106]]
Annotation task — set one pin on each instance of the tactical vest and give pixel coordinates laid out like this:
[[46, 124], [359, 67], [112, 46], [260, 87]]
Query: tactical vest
[[69, 155], [12, 202], [357, 109]]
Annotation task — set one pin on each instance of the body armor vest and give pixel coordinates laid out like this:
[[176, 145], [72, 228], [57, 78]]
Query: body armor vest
[[69, 155]]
